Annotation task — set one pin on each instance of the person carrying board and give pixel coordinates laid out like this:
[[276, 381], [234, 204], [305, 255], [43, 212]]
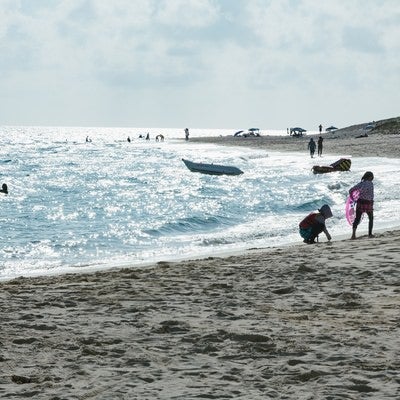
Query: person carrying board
[[365, 202]]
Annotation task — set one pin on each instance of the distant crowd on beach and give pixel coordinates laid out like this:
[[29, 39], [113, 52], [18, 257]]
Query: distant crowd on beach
[[159, 138]]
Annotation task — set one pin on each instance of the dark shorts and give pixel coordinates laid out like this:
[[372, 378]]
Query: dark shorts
[[312, 232], [365, 206], [305, 233]]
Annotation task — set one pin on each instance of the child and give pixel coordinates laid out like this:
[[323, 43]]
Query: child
[[4, 188], [314, 224], [365, 202]]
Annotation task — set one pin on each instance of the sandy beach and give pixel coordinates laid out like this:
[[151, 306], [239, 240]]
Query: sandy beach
[[294, 322], [382, 141]]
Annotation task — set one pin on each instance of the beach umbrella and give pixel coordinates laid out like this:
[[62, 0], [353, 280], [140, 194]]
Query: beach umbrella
[[331, 128], [369, 126], [254, 131]]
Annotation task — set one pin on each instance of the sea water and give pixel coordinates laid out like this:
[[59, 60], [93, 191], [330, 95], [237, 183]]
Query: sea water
[[75, 205]]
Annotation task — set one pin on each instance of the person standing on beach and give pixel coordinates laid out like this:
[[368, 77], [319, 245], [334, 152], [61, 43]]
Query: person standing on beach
[[320, 140], [320, 128], [365, 202], [312, 225], [186, 133], [311, 147]]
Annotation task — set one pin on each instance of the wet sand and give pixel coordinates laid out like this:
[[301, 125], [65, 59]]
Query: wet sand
[[296, 322]]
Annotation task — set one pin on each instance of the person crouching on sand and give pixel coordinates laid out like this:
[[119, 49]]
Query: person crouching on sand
[[314, 224], [365, 202]]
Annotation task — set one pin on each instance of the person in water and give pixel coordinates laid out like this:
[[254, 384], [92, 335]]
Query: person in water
[[365, 202], [312, 225], [311, 147], [320, 140], [4, 188]]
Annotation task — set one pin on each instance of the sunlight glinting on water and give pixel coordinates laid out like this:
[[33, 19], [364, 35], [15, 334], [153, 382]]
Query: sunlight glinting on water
[[109, 202]]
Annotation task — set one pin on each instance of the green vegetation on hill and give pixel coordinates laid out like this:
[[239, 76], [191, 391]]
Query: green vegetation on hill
[[388, 126]]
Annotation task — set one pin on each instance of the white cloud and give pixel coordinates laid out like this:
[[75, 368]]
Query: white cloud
[[186, 13], [240, 57], [324, 42]]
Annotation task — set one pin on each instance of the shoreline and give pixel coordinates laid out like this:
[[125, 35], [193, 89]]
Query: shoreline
[[222, 254]]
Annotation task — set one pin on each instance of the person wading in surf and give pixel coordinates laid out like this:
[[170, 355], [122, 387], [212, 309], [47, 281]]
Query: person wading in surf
[[4, 188]]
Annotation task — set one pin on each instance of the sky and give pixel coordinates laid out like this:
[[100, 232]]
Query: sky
[[270, 64]]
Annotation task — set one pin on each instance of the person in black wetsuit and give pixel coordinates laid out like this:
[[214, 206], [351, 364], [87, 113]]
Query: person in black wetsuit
[[319, 145], [4, 188], [311, 147]]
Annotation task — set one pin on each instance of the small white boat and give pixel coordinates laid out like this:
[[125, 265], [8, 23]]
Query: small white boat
[[212, 169]]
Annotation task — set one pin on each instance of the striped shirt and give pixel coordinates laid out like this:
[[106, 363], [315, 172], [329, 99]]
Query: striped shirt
[[366, 189]]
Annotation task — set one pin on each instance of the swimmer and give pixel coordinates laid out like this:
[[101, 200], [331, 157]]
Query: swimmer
[[4, 189]]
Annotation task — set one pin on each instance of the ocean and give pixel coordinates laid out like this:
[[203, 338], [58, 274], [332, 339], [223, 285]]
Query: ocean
[[79, 206]]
